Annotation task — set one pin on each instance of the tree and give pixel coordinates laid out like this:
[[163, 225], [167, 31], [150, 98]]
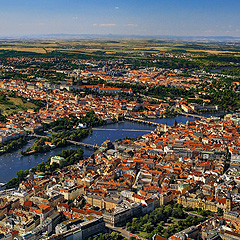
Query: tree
[[22, 174], [116, 236], [12, 183], [41, 167], [158, 229], [28, 149], [107, 236], [220, 211], [147, 227]]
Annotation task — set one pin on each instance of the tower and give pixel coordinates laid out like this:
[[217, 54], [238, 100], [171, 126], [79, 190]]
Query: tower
[[228, 206], [31, 175], [175, 123], [165, 126], [76, 99]]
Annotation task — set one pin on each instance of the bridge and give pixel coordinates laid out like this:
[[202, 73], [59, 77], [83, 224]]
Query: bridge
[[87, 145], [143, 121], [192, 115], [122, 129]]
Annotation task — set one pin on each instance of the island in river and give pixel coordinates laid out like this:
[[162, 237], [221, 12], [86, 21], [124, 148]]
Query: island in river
[[12, 162]]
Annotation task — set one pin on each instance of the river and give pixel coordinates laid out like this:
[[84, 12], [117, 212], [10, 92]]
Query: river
[[10, 163]]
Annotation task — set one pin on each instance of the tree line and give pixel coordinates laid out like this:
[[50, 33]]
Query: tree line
[[165, 221]]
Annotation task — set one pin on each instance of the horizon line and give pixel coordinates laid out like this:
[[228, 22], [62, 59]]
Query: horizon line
[[70, 36]]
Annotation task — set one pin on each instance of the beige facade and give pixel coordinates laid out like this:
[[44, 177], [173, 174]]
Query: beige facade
[[101, 202], [205, 205], [72, 193]]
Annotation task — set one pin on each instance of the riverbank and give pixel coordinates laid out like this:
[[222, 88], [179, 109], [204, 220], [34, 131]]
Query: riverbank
[[15, 144], [69, 157], [10, 163]]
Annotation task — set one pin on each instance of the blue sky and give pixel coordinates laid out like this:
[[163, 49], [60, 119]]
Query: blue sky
[[125, 17]]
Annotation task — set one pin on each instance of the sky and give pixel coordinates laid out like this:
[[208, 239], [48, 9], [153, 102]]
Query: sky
[[121, 17]]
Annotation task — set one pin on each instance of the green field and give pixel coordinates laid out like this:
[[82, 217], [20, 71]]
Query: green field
[[14, 105], [110, 47]]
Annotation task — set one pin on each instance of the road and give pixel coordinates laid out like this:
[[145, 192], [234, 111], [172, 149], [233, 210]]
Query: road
[[193, 214]]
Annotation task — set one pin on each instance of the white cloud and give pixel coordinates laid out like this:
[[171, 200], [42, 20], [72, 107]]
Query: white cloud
[[209, 31], [75, 18], [116, 7], [132, 25], [107, 24]]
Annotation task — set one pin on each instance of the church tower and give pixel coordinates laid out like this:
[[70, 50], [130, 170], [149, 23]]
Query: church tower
[[76, 99], [228, 206]]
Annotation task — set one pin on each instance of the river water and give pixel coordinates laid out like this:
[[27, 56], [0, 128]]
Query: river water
[[10, 163]]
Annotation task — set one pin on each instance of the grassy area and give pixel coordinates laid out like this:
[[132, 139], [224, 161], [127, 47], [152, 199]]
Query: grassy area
[[13, 105]]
